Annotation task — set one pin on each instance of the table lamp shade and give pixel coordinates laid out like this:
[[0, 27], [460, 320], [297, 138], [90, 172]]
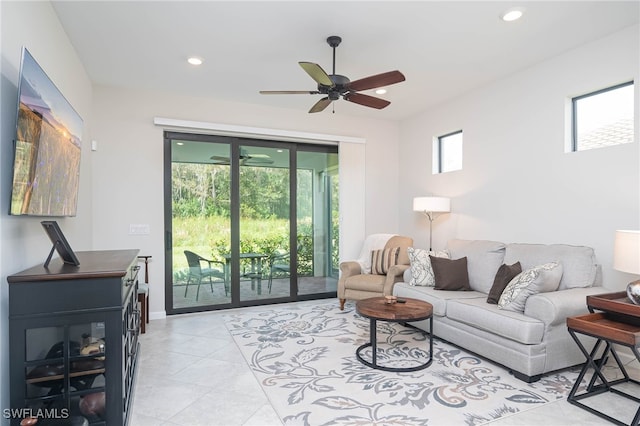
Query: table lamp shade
[[431, 204], [626, 252]]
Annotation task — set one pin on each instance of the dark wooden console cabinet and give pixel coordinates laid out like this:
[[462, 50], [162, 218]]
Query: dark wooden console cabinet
[[73, 334]]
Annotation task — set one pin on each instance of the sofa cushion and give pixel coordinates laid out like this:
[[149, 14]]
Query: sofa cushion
[[382, 260], [483, 260], [503, 277], [438, 298], [511, 325], [450, 274], [542, 278], [421, 270], [578, 262]]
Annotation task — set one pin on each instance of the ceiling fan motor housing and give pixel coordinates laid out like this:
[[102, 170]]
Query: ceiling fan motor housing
[[340, 87]]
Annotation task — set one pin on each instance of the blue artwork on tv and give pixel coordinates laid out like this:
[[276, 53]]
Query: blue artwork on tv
[[46, 168]]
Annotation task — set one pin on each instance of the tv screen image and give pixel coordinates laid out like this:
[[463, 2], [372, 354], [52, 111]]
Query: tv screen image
[[46, 169]]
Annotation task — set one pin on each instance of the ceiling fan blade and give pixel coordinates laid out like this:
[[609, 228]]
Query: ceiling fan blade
[[289, 92], [317, 73], [259, 160], [366, 100], [320, 105], [379, 80]]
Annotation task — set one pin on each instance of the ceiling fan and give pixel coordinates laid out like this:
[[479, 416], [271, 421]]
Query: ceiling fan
[[335, 85], [245, 159]]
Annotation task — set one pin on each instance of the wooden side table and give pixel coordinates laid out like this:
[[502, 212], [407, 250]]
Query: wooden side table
[[376, 309], [610, 327]]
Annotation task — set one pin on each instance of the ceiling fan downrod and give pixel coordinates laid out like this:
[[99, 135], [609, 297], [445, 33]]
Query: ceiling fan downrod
[[334, 41]]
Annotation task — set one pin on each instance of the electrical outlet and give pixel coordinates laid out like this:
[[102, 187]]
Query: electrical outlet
[[139, 229]]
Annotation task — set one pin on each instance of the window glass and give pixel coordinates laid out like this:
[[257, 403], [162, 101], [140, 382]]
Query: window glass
[[603, 118], [450, 152]]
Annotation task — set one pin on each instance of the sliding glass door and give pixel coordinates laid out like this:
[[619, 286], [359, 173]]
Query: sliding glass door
[[231, 240], [264, 221]]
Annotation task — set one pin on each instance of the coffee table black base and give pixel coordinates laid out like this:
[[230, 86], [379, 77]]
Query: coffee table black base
[[373, 345]]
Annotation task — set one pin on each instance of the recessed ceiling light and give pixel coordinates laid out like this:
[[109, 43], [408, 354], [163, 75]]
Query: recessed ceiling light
[[381, 91], [512, 15], [194, 60]]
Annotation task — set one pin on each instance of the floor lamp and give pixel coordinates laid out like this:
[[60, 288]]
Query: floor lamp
[[429, 206]]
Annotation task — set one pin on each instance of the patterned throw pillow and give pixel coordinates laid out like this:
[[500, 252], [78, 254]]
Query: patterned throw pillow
[[382, 260], [421, 270], [539, 279]]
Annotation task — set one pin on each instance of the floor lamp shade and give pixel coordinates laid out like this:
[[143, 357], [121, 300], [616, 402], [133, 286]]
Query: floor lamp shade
[[431, 204], [626, 258]]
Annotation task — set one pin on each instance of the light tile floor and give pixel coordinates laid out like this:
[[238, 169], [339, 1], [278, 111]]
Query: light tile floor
[[192, 373]]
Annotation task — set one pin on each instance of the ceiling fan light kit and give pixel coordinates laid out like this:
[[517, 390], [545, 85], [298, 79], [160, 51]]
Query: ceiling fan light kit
[[335, 85]]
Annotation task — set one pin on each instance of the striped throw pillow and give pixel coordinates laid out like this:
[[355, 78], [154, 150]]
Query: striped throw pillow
[[383, 259]]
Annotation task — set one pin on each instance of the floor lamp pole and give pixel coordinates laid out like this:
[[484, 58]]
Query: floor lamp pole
[[430, 216], [431, 207]]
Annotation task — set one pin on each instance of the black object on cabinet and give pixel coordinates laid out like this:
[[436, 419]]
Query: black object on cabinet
[[73, 334]]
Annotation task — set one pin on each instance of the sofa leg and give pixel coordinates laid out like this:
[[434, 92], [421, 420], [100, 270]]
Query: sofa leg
[[525, 378], [342, 304]]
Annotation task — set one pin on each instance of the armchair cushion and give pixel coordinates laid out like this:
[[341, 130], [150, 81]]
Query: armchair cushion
[[372, 242], [382, 260]]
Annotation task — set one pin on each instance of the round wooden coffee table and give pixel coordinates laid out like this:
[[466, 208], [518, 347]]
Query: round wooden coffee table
[[376, 309]]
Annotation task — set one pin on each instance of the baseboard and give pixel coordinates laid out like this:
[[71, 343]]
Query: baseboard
[[157, 315]]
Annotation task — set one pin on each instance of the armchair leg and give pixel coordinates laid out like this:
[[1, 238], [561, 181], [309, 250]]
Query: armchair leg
[[342, 304]]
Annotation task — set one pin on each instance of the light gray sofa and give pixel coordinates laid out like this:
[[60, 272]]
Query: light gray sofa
[[530, 343]]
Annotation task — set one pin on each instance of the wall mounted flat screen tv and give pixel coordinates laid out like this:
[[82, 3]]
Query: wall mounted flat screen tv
[[46, 167]]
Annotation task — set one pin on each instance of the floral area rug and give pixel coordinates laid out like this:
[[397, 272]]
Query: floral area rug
[[304, 357]]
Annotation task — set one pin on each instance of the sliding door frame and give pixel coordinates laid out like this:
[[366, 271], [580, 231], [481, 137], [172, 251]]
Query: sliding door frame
[[235, 144]]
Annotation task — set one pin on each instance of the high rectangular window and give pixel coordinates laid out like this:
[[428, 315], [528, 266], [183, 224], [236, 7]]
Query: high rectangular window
[[603, 118], [448, 152]]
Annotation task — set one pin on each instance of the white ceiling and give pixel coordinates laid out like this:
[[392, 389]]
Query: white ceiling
[[444, 48]]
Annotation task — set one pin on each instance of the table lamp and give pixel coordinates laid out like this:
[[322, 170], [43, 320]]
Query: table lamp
[[626, 258], [430, 205]]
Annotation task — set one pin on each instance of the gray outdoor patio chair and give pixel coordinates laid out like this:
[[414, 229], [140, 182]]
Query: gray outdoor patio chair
[[197, 272]]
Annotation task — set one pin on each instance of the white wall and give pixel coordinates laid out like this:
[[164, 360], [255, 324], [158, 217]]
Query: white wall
[[128, 165], [23, 242], [517, 183]]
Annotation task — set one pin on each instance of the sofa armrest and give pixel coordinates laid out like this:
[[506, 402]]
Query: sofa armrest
[[406, 276], [394, 275], [554, 307], [350, 268]]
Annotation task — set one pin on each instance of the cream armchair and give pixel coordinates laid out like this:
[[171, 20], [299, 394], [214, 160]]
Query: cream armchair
[[356, 280]]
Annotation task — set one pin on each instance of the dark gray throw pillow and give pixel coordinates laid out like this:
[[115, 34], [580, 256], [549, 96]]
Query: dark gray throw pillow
[[503, 277], [450, 274]]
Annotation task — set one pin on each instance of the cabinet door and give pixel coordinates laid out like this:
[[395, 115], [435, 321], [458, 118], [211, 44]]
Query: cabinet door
[[64, 371]]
